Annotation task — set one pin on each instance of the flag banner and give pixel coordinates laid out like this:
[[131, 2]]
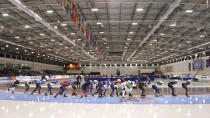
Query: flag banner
[[190, 66], [197, 64], [207, 63], [169, 69], [73, 12]]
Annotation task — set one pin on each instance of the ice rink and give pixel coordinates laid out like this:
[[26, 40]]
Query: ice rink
[[19, 105]]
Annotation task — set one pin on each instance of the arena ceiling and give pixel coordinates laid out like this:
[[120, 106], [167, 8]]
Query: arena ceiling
[[141, 31]]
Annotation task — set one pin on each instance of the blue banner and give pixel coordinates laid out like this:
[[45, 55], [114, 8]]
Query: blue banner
[[197, 64]]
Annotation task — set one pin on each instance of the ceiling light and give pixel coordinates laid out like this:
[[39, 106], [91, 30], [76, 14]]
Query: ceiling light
[[30, 42], [32, 52], [41, 46], [25, 50], [105, 43], [66, 47], [50, 11], [172, 49], [155, 40], [56, 27], [43, 55], [189, 11], [98, 23], [131, 32], [73, 33], [7, 46], [27, 26], [134, 23], [107, 47], [103, 38], [173, 25], [17, 37], [41, 34], [52, 40], [94, 9], [63, 24], [150, 44], [139, 9], [126, 43], [202, 36], [162, 34], [49, 49], [125, 47], [17, 48], [79, 39], [5, 14], [66, 28]]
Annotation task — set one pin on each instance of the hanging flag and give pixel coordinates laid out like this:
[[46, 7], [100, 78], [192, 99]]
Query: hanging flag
[[83, 26], [67, 7], [77, 17], [87, 34], [73, 13]]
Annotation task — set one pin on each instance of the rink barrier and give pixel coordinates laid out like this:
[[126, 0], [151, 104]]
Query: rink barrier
[[6, 80]]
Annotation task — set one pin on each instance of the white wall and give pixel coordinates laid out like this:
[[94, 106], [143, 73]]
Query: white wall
[[108, 70], [183, 68], [34, 65]]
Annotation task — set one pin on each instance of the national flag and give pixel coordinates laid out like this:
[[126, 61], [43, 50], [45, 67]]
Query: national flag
[[73, 12], [83, 26], [77, 18]]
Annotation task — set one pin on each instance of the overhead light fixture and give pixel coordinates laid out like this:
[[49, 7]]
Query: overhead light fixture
[[162, 34], [5, 14], [32, 52], [7, 46], [73, 33], [17, 37], [172, 49], [131, 32], [66, 47], [63, 24], [155, 40], [99, 23], [189, 11], [17, 48], [134, 23], [101, 32], [79, 39], [107, 47], [125, 47], [50, 11], [105, 43], [41, 46], [139, 9], [30, 42], [128, 39], [60, 44], [56, 27], [126, 43], [173, 25], [94, 9], [103, 38], [41, 34], [52, 40], [66, 28], [27, 26], [202, 36]]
